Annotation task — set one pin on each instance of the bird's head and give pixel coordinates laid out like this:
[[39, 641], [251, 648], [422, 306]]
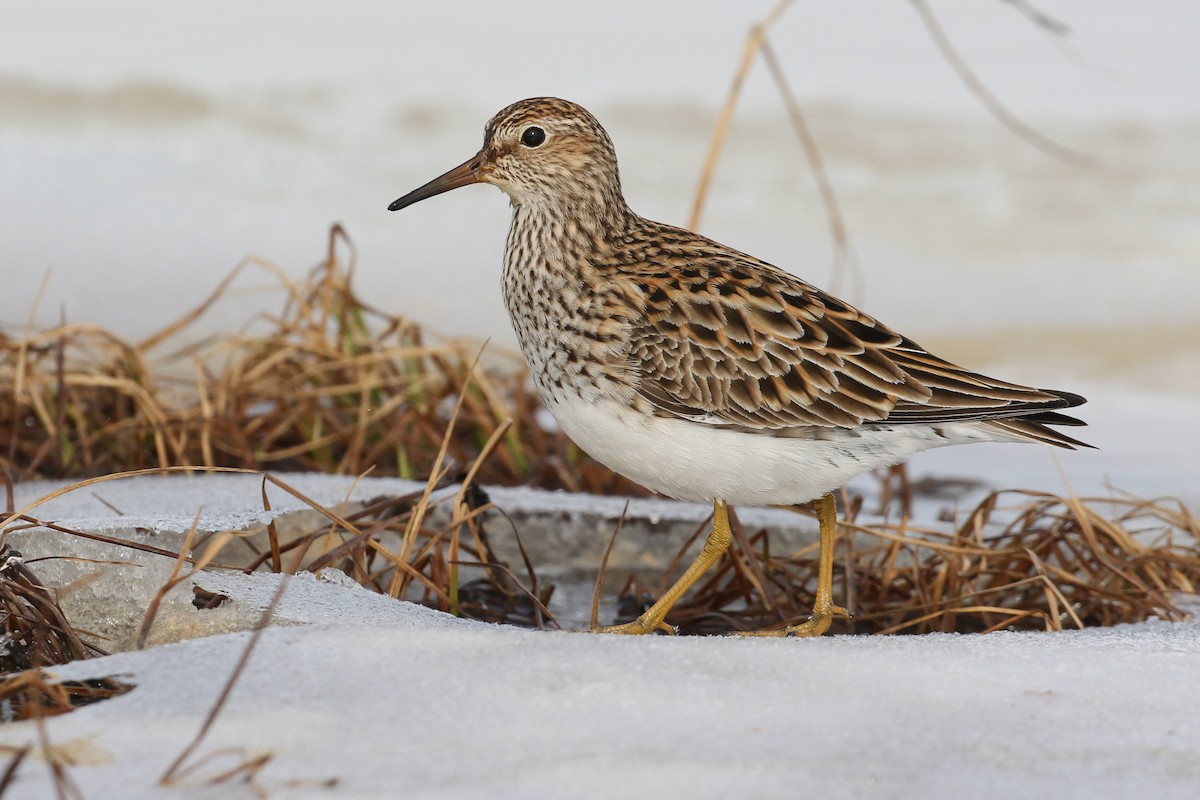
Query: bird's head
[[538, 151]]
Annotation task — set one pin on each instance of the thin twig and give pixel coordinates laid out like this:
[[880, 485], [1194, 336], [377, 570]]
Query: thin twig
[[1040, 18], [169, 776], [594, 620], [990, 101], [721, 129], [844, 257]]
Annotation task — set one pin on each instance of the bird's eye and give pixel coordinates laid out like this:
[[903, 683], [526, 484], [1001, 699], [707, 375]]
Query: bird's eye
[[532, 137]]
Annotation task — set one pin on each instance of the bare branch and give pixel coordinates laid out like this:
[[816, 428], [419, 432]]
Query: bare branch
[[844, 256]]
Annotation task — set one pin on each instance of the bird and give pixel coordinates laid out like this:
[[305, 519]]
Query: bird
[[703, 373]]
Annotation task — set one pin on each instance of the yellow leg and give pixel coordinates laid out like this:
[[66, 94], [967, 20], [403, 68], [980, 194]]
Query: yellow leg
[[714, 547], [823, 608]]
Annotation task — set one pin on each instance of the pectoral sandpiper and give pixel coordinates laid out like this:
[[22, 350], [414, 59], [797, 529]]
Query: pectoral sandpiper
[[703, 373]]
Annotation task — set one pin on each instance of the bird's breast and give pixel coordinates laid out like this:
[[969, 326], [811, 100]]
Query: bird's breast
[[562, 324]]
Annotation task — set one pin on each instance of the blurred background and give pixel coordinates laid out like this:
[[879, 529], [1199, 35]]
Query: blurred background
[[146, 149]]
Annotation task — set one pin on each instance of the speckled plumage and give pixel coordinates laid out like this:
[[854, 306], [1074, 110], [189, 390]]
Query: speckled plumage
[[694, 369]]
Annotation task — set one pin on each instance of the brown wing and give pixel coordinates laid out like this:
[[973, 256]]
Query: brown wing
[[738, 342]]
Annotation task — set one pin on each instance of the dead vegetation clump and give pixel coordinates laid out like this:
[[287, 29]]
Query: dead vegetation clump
[[34, 633], [1037, 562], [328, 384], [434, 551], [1019, 560]]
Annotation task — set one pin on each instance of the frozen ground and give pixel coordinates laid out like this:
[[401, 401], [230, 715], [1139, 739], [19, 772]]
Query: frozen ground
[[363, 697], [355, 695]]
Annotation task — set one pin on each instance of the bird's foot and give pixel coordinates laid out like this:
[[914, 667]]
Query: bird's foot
[[819, 622], [642, 625], [816, 625]]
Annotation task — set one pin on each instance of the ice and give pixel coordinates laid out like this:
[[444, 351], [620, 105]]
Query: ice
[[213, 502], [103, 589]]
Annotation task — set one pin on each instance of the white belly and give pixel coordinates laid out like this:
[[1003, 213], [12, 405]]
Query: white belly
[[692, 461]]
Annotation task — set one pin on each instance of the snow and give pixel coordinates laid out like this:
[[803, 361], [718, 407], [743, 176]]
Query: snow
[[382, 697], [225, 501], [390, 699]]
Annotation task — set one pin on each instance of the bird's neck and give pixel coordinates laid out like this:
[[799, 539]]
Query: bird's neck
[[555, 283], [557, 237]]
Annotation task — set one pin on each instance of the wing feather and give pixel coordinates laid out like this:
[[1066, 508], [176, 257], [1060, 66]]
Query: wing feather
[[735, 341]]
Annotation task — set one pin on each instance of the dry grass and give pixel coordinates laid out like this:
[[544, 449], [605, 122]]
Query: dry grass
[[33, 694], [393, 546], [1035, 562], [327, 384], [36, 634], [35, 631]]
